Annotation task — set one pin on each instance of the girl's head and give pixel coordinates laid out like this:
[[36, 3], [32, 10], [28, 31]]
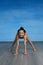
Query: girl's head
[[21, 32]]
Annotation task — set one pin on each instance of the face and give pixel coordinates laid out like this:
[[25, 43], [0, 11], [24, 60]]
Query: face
[[21, 33]]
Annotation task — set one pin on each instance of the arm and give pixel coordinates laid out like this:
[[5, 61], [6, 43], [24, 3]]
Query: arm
[[31, 44], [13, 43]]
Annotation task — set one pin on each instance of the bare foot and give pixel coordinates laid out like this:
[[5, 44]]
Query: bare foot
[[25, 53], [34, 50], [16, 54]]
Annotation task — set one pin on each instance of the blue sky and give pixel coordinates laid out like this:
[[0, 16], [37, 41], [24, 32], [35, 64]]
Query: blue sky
[[17, 13]]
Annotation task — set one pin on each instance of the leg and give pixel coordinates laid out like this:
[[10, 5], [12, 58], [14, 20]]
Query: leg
[[17, 45], [25, 51]]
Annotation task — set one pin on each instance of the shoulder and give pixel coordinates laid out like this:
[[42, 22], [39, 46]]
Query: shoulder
[[25, 36]]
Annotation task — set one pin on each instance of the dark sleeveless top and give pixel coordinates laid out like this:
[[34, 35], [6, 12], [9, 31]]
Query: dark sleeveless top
[[21, 37]]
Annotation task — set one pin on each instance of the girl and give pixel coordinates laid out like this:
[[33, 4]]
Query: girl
[[21, 33]]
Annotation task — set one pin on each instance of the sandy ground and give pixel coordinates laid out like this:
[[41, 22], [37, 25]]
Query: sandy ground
[[8, 58]]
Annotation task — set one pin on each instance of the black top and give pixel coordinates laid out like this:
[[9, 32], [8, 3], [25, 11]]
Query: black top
[[21, 37]]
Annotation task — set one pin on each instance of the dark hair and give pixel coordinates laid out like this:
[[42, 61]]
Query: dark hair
[[21, 28]]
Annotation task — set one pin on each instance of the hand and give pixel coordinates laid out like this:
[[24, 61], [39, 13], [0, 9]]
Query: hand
[[16, 53], [34, 50]]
